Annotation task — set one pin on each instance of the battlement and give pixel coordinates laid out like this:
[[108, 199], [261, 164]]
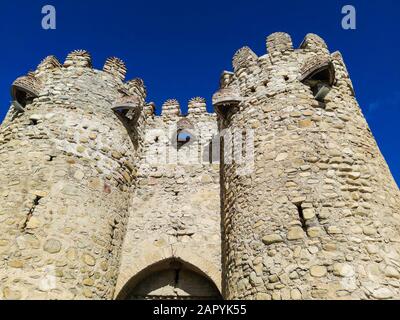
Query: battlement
[[243, 58], [310, 67], [276, 44], [284, 196], [81, 59], [116, 67], [197, 106], [78, 58], [49, 63], [279, 42], [313, 42], [130, 94], [312, 55]]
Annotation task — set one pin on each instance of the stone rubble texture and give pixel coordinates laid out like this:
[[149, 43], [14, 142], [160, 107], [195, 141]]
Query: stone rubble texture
[[82, 192]]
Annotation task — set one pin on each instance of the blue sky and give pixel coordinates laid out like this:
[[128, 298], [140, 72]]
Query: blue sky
[[180, 47]]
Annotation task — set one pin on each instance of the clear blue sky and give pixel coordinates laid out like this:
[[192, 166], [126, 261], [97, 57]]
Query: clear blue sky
[[180, 47]]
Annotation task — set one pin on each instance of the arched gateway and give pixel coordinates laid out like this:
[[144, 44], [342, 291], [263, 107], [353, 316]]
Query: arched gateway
[[171, 279]]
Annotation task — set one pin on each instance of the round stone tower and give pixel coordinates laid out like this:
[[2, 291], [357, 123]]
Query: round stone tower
[[67, 151], [317, 217]]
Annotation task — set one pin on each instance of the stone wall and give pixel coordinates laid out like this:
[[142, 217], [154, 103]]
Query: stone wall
[[318, 218], [175, 210]]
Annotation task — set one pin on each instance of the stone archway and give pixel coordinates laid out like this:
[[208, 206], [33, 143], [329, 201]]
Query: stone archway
[[170, 279]]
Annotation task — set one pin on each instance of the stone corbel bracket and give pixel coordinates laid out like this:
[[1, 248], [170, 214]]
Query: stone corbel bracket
[[128, 107], [126, 103], [226, 100]]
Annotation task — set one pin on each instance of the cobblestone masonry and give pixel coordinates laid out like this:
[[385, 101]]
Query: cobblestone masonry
[[95, 189], [67, 171], [319, 216], [176, 208]]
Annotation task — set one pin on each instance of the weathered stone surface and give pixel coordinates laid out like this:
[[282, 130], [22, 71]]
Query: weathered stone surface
[[33, 223], [10, 294], [318, 177], [52, 246], [270, 239], [18, 264], [318, 271], [281, 156], [295, 294], [295, 233], [343, 270], [382, 293], [308, 213], [89, 259], [93, 195]]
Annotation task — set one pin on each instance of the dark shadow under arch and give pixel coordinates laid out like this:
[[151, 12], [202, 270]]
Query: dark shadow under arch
[[170, 279]]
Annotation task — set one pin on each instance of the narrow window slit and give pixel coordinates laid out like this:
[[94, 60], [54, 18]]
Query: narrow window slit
[[35, 203], [301, 217], [210, 150]]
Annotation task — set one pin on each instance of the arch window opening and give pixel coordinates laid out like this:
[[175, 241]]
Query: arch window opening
[[184, 137], [320, 81], [21, 98]]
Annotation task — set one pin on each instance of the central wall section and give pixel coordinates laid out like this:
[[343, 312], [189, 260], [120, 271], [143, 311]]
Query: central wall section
[[175, 211]]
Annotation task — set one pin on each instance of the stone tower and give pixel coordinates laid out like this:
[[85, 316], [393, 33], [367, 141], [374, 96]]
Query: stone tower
[[318, 217], [100, 198], [68, 168]]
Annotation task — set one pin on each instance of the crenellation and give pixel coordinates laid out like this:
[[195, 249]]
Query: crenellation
[[78, 58], [279, 42], [314, 43], [171, 108], [197, 105], [113, 201], [47, 65], [137, 87], [243, 58], [342, 75], [116, 67]]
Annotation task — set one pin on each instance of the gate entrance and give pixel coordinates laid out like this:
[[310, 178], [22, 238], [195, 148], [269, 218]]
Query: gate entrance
[[171, 280]]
